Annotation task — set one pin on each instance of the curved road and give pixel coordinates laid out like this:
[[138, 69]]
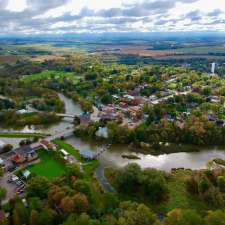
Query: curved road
[[106, 186]]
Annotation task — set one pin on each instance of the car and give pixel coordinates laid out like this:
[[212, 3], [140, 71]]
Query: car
[[13, 178], [20, 191], [19, 183]]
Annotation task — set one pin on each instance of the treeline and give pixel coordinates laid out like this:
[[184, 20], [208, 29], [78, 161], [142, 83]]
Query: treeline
[[209, 186], [197, 130], [75, 200], [11, 118]]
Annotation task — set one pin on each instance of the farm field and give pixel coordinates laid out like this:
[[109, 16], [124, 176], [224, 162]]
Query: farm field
[[59, 75], [48, 167]]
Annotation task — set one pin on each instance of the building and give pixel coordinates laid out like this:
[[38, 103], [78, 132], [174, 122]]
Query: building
[[135, 112], [102, 132], [84, 118], [48, 145], [24, 154], [18, 159], [213, 67]]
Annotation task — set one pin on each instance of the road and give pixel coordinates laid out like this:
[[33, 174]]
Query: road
[[106, 186]]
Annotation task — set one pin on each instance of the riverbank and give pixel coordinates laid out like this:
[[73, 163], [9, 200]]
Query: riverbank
[[22, 135]]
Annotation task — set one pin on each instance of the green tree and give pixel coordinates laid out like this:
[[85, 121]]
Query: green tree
[[38, 187], [215, 218], [80, 203]]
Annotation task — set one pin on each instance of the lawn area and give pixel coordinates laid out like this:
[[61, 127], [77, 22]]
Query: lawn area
[[59, 75], [179, 197], [22, 135], [69, 148], [88, 165], [48, 167]]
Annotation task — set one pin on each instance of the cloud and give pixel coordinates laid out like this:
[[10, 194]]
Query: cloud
[[194, 15], [3, 4], [145, 15]]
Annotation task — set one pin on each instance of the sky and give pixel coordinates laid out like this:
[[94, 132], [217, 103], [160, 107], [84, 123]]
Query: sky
[[97, 16]]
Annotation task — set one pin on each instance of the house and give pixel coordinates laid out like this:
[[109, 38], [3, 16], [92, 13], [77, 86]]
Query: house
[[48, 145], [102, 132], [134, 112], [18, 159], [123, 104], [84, 118], [128, 97], [26, 173], [31, 156], [24, 154], [22, 111], [64, 152], [214, 99]]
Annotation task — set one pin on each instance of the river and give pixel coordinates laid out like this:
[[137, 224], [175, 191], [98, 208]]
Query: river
[[113, 157]]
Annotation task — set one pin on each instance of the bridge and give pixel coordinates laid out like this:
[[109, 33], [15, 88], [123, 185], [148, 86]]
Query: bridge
[[66, 133], [66, 115], [101, 151]]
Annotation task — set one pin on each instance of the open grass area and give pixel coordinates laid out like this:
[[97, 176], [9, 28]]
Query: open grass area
[[59, 75], [48, 167], [179, 197], [22, 135], [69, 148], [88, 165]]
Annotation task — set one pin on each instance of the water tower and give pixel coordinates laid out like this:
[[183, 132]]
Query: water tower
[[213, 68]]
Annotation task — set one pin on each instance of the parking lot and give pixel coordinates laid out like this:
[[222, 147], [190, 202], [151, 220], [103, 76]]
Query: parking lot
[[13, 185]]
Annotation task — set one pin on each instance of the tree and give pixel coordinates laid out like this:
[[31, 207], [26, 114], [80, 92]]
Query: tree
[[38, 187], [48, 216], [183, 217], [128, 178], [221, 183], [154, 184], [110, 202], [80, 203], [73, 170], [34, 215], [215, 218], [7, 148], [83, 186], [136, 214], [67, 204]]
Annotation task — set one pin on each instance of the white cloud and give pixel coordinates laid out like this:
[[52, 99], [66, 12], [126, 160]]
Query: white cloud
[[62, 16], [16, 5]]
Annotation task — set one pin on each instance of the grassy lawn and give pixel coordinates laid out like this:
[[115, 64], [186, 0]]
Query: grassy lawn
[[59, 75], [48, 167], [22, 135], [178, 196], [69, 148], [88, 165]]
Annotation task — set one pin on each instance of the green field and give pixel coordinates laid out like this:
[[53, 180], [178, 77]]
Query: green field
[[59, 75], [48, 167], [22, 135], [88, 165], [69, 148]]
